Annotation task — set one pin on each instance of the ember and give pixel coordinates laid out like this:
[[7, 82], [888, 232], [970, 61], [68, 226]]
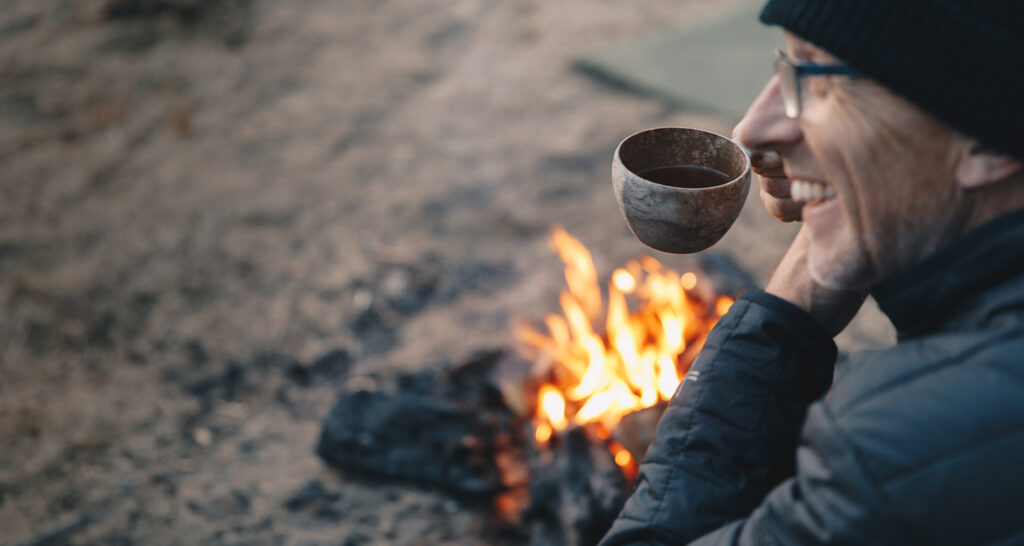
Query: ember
[[595, 367]]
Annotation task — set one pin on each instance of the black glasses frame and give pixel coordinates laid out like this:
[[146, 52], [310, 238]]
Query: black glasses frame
[[790, 72]]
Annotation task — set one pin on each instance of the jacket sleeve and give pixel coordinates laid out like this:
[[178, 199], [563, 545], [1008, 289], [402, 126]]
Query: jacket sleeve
[[730, 432], [830, 500]]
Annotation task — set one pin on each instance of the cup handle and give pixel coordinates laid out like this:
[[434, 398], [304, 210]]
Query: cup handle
[[746, 150]]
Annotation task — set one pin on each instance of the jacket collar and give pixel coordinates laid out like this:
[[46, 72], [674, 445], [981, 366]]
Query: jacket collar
[[953, 287]]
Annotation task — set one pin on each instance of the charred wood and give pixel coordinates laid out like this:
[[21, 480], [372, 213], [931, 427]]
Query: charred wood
[[449, 431], [576, 490]]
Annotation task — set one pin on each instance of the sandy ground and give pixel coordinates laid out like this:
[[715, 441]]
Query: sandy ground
[[199, 201]]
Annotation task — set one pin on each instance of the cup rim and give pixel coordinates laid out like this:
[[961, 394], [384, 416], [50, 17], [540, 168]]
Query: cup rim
[[743, 174]]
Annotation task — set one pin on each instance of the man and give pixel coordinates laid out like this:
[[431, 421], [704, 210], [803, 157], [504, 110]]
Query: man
[[891, 130]]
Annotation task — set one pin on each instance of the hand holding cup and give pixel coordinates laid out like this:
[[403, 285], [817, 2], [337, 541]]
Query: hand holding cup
[[775, 187]]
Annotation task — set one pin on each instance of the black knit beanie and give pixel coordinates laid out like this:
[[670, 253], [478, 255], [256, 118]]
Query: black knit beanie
[[960, 60]]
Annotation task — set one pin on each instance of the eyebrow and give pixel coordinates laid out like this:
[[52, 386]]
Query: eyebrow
[[801, 51]]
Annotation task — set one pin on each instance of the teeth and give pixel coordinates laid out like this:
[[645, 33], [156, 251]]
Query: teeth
[[802, 190]]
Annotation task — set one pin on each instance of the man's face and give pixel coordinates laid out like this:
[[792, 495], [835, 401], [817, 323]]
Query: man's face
[[888, 166]]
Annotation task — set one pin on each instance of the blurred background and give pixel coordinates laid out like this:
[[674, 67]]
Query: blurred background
[[216, 213]]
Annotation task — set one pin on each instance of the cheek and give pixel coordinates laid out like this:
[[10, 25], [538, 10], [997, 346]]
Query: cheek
[[892, 165]]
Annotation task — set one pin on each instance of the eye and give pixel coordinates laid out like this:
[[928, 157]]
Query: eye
[[819, 86]]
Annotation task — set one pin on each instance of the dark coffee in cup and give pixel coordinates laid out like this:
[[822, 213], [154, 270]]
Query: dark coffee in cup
[[685, 176]]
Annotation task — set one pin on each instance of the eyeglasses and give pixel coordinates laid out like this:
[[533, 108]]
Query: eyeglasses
[[790, 72]]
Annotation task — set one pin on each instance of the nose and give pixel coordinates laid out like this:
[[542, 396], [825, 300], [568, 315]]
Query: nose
[[766, 125]]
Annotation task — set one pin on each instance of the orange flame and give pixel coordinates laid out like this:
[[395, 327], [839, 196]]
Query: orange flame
[[651, 331], [553, 406]]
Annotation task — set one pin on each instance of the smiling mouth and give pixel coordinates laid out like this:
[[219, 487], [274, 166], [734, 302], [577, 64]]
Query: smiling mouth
[[806, 191]]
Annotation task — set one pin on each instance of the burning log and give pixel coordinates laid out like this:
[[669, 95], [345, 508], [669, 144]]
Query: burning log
[[636, 430], [410, 437], [576, 490], [453, 431], [449, 432]]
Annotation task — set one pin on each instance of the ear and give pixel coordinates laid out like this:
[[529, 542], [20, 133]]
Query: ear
[[981, 166]]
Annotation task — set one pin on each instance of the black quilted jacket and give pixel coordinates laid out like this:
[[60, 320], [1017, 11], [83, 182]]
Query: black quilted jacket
[[922, 443]]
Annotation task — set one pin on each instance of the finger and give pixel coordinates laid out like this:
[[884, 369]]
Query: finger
[[780, 188], [768, 159], [766, 163], [785, 210]]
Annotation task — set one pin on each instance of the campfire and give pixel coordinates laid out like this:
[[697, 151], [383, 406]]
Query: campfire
[[548, 437], [597, 363]]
